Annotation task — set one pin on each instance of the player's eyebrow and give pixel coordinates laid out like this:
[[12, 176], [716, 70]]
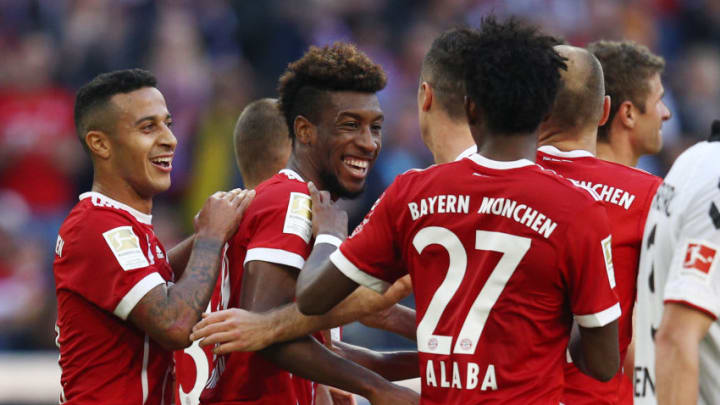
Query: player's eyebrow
[[151, 118], [359, 116]]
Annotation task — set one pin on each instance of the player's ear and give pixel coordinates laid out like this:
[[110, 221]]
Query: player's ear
[[471, 111], [425, 96], [304, 130], [98, 143], [627, 114], [606, 111]]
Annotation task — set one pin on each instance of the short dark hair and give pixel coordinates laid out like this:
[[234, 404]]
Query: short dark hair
[[93, 97], [259, 137], [444, 69], [579, 100], [512, 75], [340, 67], [627, 66]]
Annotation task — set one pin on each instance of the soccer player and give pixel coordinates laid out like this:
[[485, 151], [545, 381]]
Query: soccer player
[[499, 250], [124, 301], [568, 146], [679, 285], [637, 111], [328, 100]]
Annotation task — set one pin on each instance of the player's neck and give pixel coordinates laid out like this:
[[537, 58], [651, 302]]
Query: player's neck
[[122, 192], [507, 148], [449, 139], [617, 152], [568, 141], [305, 168]]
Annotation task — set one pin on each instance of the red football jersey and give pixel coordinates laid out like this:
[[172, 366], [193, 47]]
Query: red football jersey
[[626, 193], [276, 228], [106, 259], [501, 256]]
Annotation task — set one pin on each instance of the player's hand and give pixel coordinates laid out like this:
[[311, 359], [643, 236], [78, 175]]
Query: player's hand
[[340, 397], [395, 395], [327, 217], [233, 330], [222, 212]]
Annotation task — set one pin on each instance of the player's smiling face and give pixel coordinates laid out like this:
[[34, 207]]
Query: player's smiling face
[[349, 137], [142, 143]]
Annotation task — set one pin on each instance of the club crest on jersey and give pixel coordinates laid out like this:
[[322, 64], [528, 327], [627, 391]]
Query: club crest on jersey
[[699, 259], [125, 245], [298, 219]]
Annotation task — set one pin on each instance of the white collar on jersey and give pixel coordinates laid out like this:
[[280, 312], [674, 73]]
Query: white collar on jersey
[[102, 200], [292, 174], [551, 150], [499, 165], [467, 153]]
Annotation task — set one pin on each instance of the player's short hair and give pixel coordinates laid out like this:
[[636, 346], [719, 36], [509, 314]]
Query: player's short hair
[[306, 82], [260, 138], [444, 69], [512, 75], [580, 97], [92, 99], [627, 67]]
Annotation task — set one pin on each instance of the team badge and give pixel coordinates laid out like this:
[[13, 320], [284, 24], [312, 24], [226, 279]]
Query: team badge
[[699, 258], [298, 219], [125, 245]]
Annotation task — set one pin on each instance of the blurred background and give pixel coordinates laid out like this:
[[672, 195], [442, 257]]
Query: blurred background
[[215, 56]]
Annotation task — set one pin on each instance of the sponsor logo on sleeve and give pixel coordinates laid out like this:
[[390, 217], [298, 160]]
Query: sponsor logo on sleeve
[[607, 253], [125, 245], [699, 259], [298, 219], [59, 244]]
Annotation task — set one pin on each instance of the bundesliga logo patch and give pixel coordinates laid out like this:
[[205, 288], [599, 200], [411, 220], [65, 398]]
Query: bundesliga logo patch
[[699, 257]]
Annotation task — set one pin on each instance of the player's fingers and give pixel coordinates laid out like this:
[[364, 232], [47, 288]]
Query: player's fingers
[[218, 337], [210, 319], [234, 346], [314, 194], [245, 200], [209, 330]]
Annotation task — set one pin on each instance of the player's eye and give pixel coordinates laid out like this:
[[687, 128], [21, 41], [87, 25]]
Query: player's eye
[[148, 127], [350, 124]]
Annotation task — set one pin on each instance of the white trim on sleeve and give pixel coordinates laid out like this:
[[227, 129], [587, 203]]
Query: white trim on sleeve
[[599, 319], [277, 256], [142, 287], [355, 274]]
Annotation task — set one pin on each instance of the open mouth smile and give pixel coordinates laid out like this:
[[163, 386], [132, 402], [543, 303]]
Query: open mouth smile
[[356, 166], [163, 163]]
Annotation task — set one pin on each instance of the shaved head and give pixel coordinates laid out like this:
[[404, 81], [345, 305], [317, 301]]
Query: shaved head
[[579, 101], [262, 142]]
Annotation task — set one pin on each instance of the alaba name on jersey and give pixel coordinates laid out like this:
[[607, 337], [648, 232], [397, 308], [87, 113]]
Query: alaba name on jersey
[[106, 259], [626, 193], [680, 255], [276, 228], [501, 255]]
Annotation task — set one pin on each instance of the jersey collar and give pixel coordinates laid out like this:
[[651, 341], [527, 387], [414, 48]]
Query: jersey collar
[[102, 200], [497, 164], [551, 150], [467, 153], [292, 174]]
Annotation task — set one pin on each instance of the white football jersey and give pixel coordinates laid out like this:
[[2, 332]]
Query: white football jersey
[[679, 260]]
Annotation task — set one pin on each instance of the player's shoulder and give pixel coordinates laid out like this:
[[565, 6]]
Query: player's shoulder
[[631, 177], [280, 187], [560, 189], [98, 213]]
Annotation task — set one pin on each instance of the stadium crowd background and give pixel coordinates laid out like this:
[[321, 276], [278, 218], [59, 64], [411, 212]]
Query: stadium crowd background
[[213, 57]]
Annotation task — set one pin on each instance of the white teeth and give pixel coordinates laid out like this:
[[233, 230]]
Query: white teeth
[[162, 161], [363, 164]]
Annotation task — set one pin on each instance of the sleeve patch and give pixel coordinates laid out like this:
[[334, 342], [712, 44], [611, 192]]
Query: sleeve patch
[[699, 260], [125, 245], [607, 253], [298, 219]]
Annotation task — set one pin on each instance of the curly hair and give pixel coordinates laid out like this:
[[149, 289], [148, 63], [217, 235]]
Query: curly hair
[[94, 96], [444, 69], [340, 67], [513, 75], [627, 67]]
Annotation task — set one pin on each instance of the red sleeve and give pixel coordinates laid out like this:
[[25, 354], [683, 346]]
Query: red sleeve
[[280, 226], [589, 269], [107, 262], [370, 256]]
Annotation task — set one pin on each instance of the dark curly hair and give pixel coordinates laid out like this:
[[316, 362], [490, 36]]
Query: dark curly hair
[[93, 97], [627, 67], [513, 75], [340, 67], [444, 69]]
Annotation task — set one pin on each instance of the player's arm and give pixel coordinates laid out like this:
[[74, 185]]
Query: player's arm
[[179, 255], [236, 329], [268, 285], [395, 366], [169, 311], [595, 350], [676, 348]]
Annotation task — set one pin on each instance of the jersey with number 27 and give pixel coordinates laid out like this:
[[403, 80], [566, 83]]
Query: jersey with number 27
[[502, 255]]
